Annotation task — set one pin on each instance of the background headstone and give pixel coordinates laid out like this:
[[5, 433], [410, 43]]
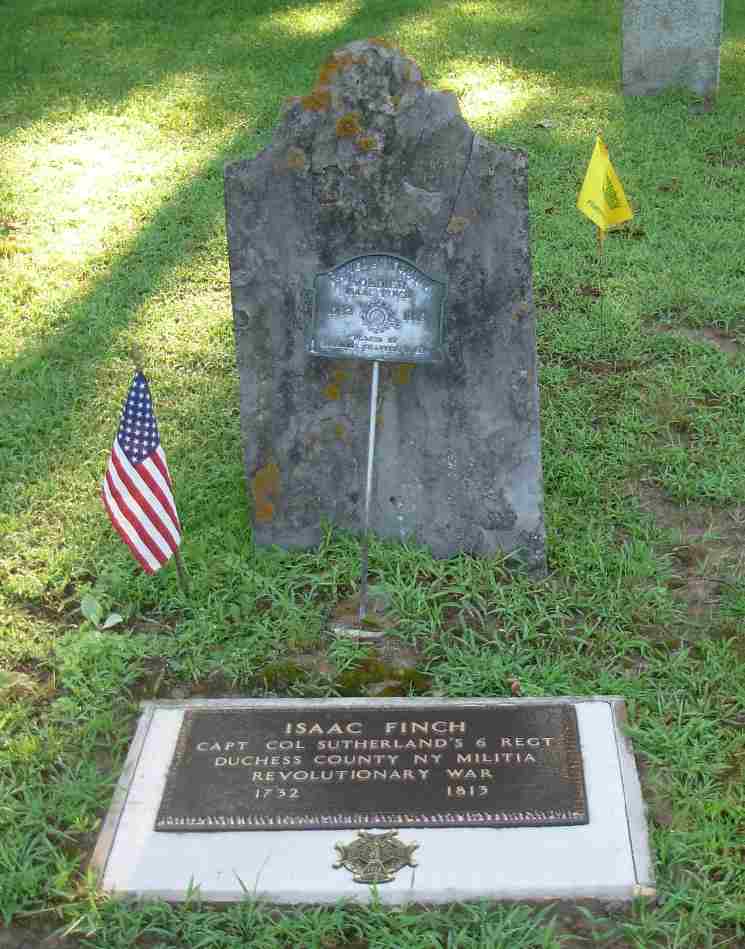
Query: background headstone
[[668, 43], [374, 161]]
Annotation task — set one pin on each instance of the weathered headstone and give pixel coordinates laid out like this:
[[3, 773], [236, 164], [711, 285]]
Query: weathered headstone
[[668, 43], [373, 162]]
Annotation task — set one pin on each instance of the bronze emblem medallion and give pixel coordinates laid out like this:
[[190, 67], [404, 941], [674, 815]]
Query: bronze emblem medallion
[[375, 858], [379, 317]]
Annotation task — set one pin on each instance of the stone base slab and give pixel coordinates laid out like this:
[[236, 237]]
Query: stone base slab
[[607, 859]]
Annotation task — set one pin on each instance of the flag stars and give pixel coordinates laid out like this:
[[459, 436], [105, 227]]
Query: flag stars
[[138, 430]]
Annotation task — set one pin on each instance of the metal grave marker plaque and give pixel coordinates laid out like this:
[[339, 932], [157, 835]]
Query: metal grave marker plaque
[[439, 766], [378, 307]]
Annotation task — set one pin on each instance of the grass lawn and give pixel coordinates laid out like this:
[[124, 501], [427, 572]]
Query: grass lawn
[[115, 121]]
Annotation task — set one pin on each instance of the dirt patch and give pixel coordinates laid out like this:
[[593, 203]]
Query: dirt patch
[[696, 522], [150, 684], [656, 792], [15, 937], [708, 548], [390, 669], [386, 667], [158, 681], [30, 681], [378, 618], [726, 158], [143, 624], [707, 334], [59, 616], [699, 594], [546, 299]]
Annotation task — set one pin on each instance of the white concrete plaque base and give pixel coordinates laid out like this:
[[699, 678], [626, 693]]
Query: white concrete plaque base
[[607, 859]]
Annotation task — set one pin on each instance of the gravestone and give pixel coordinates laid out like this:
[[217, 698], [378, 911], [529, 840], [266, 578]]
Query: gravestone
[[432, 800], [668, 43], [369, 172]]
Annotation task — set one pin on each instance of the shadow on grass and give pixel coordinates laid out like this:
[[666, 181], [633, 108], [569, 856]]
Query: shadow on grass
[[247, 65], [128, 45], [47, 386], [78, 54]]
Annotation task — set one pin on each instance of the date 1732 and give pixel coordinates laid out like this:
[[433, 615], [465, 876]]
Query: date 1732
[[261, 794]]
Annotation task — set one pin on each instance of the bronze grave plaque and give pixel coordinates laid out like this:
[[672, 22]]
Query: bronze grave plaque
[[379, 307], [375, 767]]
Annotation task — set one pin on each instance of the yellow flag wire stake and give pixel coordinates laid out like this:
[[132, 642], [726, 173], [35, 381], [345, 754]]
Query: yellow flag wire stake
[[604, 328], [183, 577], [603, 200]]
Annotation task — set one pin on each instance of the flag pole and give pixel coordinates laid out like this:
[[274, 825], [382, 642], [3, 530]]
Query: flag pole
[[603, 200], [364, 569], [604, 334], [600, 230], [183, 576]]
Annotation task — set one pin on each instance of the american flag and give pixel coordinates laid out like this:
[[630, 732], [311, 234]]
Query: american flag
[[137, 490]]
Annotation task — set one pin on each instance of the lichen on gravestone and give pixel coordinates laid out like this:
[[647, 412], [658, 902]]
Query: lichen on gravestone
[[373, 160]]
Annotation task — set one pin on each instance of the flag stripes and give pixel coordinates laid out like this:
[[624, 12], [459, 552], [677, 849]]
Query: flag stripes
[[156, 466], [147, 527], [127, 532], [144, 497]]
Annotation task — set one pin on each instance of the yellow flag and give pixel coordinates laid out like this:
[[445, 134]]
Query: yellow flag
[[602, 196]]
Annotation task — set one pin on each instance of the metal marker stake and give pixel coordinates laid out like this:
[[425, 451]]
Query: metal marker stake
[[368, 486], [346, 308]]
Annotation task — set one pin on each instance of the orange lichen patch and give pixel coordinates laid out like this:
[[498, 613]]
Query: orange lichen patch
[[341, 432], [348, 125], [264, 512], [327, 72], [340, 375], [367, 143], [402, 373], [332, 391], [295, 158], [380, 41], [457, 225], [318, 101], [265, 489]]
